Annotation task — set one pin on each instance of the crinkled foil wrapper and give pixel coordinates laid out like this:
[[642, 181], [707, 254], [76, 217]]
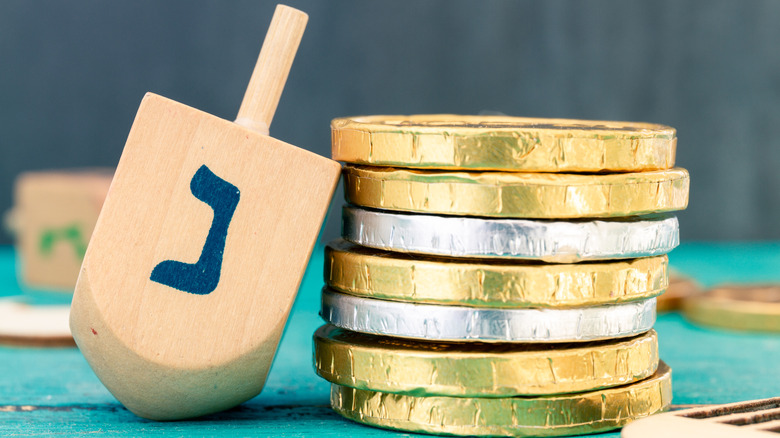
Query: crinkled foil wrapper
[[749, 308], [385, 275], [549, 241], [458, 323], [517, 195], [503, 143], [396, 365], [590, 412]]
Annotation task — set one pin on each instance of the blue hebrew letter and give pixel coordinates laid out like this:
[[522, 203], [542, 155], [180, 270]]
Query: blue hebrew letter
[[202, 277]]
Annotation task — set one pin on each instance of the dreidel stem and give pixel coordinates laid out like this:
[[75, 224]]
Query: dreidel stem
[[272, 68]]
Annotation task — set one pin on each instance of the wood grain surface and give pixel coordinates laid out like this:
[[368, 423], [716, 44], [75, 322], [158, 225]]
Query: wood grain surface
[[53, 391]]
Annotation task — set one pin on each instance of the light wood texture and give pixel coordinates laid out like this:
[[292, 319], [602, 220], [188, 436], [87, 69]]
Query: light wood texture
[[54, 216], [171, 352], [34, 325], [273, 65], [749, 419]]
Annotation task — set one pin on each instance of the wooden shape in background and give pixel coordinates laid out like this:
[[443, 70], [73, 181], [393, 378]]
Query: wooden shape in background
[[748, 419], [54, 216], [28, 325]]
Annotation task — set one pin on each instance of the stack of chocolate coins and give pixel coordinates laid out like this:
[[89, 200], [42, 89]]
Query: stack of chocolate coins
[[497, 275]]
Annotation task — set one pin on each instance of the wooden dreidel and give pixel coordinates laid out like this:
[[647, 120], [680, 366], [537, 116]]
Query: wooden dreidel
[[53, 218], [200, 248]]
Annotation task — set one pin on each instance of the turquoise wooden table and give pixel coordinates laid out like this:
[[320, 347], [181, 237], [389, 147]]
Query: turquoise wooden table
[[53, 391]]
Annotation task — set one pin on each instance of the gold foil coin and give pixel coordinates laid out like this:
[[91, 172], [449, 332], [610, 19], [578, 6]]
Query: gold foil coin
[[571, 414], [445, 141], [749, 308], [395, 365], [394, 276], [517, 195]]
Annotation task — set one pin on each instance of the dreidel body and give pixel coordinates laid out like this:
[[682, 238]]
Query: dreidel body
[[200, 248]]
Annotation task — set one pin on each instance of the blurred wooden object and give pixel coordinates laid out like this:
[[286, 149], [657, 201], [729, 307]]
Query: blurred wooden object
[[201, 247], [680, 287], [34, 325], [53, 218]]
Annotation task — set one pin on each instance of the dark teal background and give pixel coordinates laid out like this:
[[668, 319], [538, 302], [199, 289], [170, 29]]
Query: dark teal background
[[73, 73]]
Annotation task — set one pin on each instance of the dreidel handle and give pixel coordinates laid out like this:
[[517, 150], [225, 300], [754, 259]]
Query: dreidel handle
[[273, 65]]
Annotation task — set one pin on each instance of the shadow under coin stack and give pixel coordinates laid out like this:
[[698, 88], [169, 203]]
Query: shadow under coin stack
[[497, 275]]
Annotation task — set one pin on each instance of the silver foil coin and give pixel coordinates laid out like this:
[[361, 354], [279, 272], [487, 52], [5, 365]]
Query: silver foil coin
[[459, 324], [552, 241]]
